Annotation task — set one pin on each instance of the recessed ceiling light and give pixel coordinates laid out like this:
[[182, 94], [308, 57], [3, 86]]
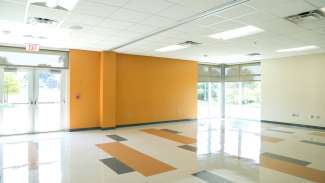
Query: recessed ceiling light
[[304, 48], [42, 37], [236, 33], [171, 48], [76, 27]]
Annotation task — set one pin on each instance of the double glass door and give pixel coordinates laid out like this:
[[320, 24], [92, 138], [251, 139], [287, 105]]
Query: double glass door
[[32, 100], [209, 99]]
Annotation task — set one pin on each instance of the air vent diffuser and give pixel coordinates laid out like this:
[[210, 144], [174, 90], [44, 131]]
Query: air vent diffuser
[[306, 17], [253, 54], [189, 43], [39, 20]]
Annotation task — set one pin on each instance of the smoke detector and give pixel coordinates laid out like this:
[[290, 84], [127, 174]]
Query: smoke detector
[[75, 27], [307, 17]]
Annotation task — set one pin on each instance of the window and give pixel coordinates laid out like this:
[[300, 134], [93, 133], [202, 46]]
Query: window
[[45, 58], [209, 91], [240, 86]]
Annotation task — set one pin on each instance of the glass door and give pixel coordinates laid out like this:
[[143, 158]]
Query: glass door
[[32, 100], [50, 100], [209, 99], [15, 101]]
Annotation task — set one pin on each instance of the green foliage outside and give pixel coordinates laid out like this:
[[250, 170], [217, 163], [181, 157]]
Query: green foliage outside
[[11, 84]]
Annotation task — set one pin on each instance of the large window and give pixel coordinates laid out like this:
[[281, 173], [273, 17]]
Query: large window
[[209, 91], [234, 92], [10, 56], [243, 100]]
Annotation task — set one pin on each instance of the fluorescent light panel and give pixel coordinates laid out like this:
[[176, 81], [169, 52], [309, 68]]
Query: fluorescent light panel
[[304, 48], [236, 33], [171, 48], [323, 9], [67, 4]]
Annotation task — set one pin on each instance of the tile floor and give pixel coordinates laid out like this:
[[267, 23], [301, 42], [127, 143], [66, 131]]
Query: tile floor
[[203, 151]]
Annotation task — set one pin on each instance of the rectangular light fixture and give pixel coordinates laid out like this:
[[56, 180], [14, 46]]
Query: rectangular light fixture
[[323, 9], [237, 33], [56, 4], [304, 48], [171, 48]]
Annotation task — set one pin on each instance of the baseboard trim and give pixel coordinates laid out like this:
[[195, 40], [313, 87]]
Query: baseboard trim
[[83, 129], [129, 125], [292, 124], [152, 123]]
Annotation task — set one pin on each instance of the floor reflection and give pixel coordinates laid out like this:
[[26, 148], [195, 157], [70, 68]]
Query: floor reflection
[[31, 162], [228, 138]]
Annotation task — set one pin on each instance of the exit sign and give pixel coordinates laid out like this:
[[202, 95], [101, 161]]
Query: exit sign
[[32, 47]]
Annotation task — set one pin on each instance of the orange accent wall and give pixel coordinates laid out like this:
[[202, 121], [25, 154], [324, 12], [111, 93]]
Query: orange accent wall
[[84, 81], [108, 89], [154, 89], [119, 89]]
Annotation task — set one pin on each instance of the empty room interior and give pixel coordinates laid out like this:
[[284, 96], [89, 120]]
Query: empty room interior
[[162, 91]]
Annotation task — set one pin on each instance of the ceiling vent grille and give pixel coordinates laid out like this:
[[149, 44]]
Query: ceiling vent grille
[[253, 54], [189, 43], [39, 20], [306, 17]]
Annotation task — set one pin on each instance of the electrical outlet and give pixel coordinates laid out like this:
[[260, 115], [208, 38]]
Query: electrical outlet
[[317, 117], [312, 116]]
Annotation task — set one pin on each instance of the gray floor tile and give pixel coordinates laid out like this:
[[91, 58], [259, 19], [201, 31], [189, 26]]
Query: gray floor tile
[[117, 166], [281, 131], [117, 138], [287, 159], [210, 177], [188, 148], [312, 142]]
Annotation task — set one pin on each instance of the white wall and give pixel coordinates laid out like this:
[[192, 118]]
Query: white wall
[[294, 85]]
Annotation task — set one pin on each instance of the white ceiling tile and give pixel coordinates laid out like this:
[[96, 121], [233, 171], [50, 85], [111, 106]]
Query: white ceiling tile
[[95, 9], [85, 19], [200, 5], [142, 28], [317, 3], [115, 24], [177, 12], [210, 20], [111, 23], [158, 21], [280, 26], [282, 8], [236, 11], [147, 5], [129, 16], [110, 2], [12, 11], [256, 18]]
